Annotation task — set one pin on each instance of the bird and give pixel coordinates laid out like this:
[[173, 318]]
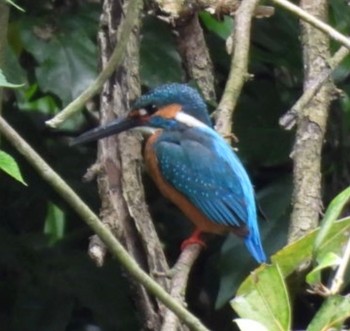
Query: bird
[[191, 164]]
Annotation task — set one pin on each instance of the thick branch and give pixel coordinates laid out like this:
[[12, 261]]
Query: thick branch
[[120, 182], [68, 195], [311, 128], [116, 58], [195, 54], [178, 9], [239, 66]]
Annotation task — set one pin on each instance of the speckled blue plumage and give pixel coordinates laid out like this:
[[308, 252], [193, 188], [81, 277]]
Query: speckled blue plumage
[[203, 167], [176, 93]]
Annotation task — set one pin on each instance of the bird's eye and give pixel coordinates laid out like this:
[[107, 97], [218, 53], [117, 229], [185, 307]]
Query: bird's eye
[[151, 109]]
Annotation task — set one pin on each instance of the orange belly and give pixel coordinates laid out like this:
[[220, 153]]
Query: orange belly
[[196, 216]]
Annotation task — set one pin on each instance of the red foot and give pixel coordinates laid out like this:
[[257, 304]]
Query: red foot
[[195, 238]]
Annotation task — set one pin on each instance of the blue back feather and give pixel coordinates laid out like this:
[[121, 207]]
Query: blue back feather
[[203, 167]]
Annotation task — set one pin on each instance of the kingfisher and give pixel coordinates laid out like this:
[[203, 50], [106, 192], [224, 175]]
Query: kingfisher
[[191, 164]]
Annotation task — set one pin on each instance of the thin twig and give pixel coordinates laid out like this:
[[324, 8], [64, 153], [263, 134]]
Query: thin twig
[[288, 120], [179, 281], [317, 23], [114, 61], [338, 279], [239, 66], [114, 246]]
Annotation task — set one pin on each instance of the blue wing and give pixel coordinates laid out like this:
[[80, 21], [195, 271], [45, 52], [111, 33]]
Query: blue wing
[[209, 176], [200, 165]]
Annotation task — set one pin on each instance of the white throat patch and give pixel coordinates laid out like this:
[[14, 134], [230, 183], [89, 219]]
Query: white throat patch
[[189, 120]]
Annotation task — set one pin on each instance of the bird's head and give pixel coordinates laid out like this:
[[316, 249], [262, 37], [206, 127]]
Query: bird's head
[[162, 107]]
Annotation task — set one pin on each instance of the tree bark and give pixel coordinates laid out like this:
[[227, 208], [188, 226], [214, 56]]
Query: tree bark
[[311, 126], [119, 158]]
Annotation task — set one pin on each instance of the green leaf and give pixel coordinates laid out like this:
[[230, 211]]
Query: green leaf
[[332, 314], [9, 165], [328, 260], [12, 67], [69, 68], [264, 298], [5, 83], [45, 105], [300, 252], [331, 215], [67, 60], [221, 28], [15, 5], [246, 324], [54, 223]]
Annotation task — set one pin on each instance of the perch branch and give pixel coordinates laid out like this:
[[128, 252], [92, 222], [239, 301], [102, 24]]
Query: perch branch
[[179, 280], [239, 67], [317, 23], [288, 120], [114, 61], [115, 247]]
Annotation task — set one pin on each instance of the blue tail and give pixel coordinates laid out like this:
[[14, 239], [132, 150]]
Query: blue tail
[[255, 248]]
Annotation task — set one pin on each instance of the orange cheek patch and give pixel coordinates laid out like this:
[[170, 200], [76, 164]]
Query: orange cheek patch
[[169, 111]]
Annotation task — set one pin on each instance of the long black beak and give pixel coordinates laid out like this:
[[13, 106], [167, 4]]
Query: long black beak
[[114, 127]]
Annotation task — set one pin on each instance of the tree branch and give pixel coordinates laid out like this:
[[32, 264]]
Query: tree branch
[[120, 161], [239, 67], [180, 9], [114, 61], [311, 128], [179, 281], [317, 23], [114, 246], [288, 120], [195, 55]]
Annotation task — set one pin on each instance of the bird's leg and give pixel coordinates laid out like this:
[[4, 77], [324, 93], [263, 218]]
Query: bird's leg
[[195, 238]]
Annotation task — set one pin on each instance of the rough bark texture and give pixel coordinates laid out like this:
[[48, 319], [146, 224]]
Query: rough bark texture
[[182, 8], [311, 128], [123, 203], [195, 54]]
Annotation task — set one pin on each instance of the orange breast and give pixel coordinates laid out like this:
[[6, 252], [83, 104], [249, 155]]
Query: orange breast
[[195, 215]]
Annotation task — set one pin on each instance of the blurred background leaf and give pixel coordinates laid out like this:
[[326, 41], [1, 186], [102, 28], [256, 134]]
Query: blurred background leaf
[[9, 165]]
